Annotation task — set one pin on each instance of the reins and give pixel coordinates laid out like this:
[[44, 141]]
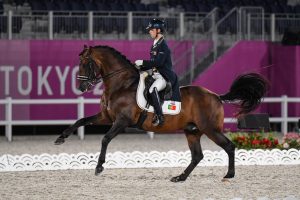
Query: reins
[[93, 79], [113, 73]]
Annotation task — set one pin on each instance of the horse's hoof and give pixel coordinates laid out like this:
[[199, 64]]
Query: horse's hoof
[[178, 179], [59, 140], [226, 180], [229, 176], [98, 170]]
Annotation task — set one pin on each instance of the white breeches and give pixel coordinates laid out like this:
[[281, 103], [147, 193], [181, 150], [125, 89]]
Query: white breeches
[[159, 83]]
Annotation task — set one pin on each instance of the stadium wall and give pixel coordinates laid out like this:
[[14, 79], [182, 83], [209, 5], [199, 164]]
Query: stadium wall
[[280, 64], [45, 69]]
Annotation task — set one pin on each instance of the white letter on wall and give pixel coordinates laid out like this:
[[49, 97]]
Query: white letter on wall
[[62, 78], [97, 90], [42, 80], [6, 70], [27, 72], [74, 74]]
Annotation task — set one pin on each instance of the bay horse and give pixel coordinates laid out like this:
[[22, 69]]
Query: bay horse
[[201, 110]]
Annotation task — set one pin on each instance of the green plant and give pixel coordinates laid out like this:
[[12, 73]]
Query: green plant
[[291, 140]]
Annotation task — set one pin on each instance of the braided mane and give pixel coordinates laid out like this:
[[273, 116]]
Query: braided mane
[[116, 53]]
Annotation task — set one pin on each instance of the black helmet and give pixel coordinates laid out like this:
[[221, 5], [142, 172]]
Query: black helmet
[[156, 23]]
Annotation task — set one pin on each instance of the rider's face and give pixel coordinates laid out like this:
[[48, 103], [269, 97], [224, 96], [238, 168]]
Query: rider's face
[[153, 32]]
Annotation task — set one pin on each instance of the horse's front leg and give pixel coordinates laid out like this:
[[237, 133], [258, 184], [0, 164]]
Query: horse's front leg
[[117, 128], [95, 119]]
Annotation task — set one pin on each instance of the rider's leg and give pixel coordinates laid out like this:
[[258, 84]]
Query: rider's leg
[[157, 86], [159, 83], [158, 119]]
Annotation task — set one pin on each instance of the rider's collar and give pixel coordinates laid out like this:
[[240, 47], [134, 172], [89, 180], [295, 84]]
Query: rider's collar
[[158, 41]]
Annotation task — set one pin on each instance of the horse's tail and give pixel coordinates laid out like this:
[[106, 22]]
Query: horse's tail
[[246, 92]]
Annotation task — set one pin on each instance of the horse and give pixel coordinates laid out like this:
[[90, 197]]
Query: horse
[[201, 110]]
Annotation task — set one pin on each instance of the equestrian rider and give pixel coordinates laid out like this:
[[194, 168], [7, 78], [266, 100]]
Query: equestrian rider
[[161, 64]]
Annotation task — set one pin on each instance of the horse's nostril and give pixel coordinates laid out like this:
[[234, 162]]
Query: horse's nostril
[[82, 87]]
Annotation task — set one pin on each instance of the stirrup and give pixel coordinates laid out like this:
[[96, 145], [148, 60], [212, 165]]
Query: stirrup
[[158, 120]]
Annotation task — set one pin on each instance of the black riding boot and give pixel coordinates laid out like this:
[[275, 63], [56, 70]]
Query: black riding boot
[[158, 119]]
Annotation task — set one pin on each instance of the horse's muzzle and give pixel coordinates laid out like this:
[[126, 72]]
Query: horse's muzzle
[[84, 86]]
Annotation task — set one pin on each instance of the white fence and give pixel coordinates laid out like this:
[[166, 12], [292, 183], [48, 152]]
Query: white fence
[[80, 101], [137, 159]]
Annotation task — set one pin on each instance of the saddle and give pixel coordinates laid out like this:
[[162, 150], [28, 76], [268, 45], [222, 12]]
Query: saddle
[[143, 98], [164, 95]]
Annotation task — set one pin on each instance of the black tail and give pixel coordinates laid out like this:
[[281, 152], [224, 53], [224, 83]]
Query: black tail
[[247, 91]]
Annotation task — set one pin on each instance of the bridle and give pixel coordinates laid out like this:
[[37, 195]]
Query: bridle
[[92, 78]]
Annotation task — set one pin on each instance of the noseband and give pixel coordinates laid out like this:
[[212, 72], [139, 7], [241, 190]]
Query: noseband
[[92, 78]]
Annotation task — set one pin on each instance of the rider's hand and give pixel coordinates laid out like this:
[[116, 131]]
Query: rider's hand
[[138, 63]]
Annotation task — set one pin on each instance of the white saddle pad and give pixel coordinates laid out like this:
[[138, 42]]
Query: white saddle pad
[[169, 107]]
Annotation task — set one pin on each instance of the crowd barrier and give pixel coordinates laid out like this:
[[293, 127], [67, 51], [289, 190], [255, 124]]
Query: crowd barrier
[[9, 121]]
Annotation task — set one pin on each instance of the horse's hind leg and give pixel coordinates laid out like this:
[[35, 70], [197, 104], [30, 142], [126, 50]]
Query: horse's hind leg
[[76, 125], [221, 140], [196, 152]]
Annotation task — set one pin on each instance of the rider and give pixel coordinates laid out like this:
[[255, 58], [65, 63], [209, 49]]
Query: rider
[[161, 64]]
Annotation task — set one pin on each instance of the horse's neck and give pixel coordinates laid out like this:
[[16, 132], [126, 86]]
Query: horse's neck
[[123, 81]]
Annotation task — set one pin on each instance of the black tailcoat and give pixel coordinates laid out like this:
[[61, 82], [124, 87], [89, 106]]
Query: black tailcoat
[[160, 58]]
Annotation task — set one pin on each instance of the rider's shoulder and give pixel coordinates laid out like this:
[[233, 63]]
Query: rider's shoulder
[[165, 46]]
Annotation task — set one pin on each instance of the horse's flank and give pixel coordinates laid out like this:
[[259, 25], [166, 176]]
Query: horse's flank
[[196, 101]]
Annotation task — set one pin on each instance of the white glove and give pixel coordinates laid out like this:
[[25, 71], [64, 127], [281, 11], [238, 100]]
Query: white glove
[[138, 63]]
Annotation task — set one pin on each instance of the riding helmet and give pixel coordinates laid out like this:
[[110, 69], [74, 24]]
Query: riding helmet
[[158, 24]]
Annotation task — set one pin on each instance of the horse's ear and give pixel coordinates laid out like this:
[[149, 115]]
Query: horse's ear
[[85, 47]]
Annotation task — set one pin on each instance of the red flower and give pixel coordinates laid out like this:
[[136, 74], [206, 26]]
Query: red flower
[[266, 141], [241, 138], [276, 142], [255, 142], [269, 144]]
